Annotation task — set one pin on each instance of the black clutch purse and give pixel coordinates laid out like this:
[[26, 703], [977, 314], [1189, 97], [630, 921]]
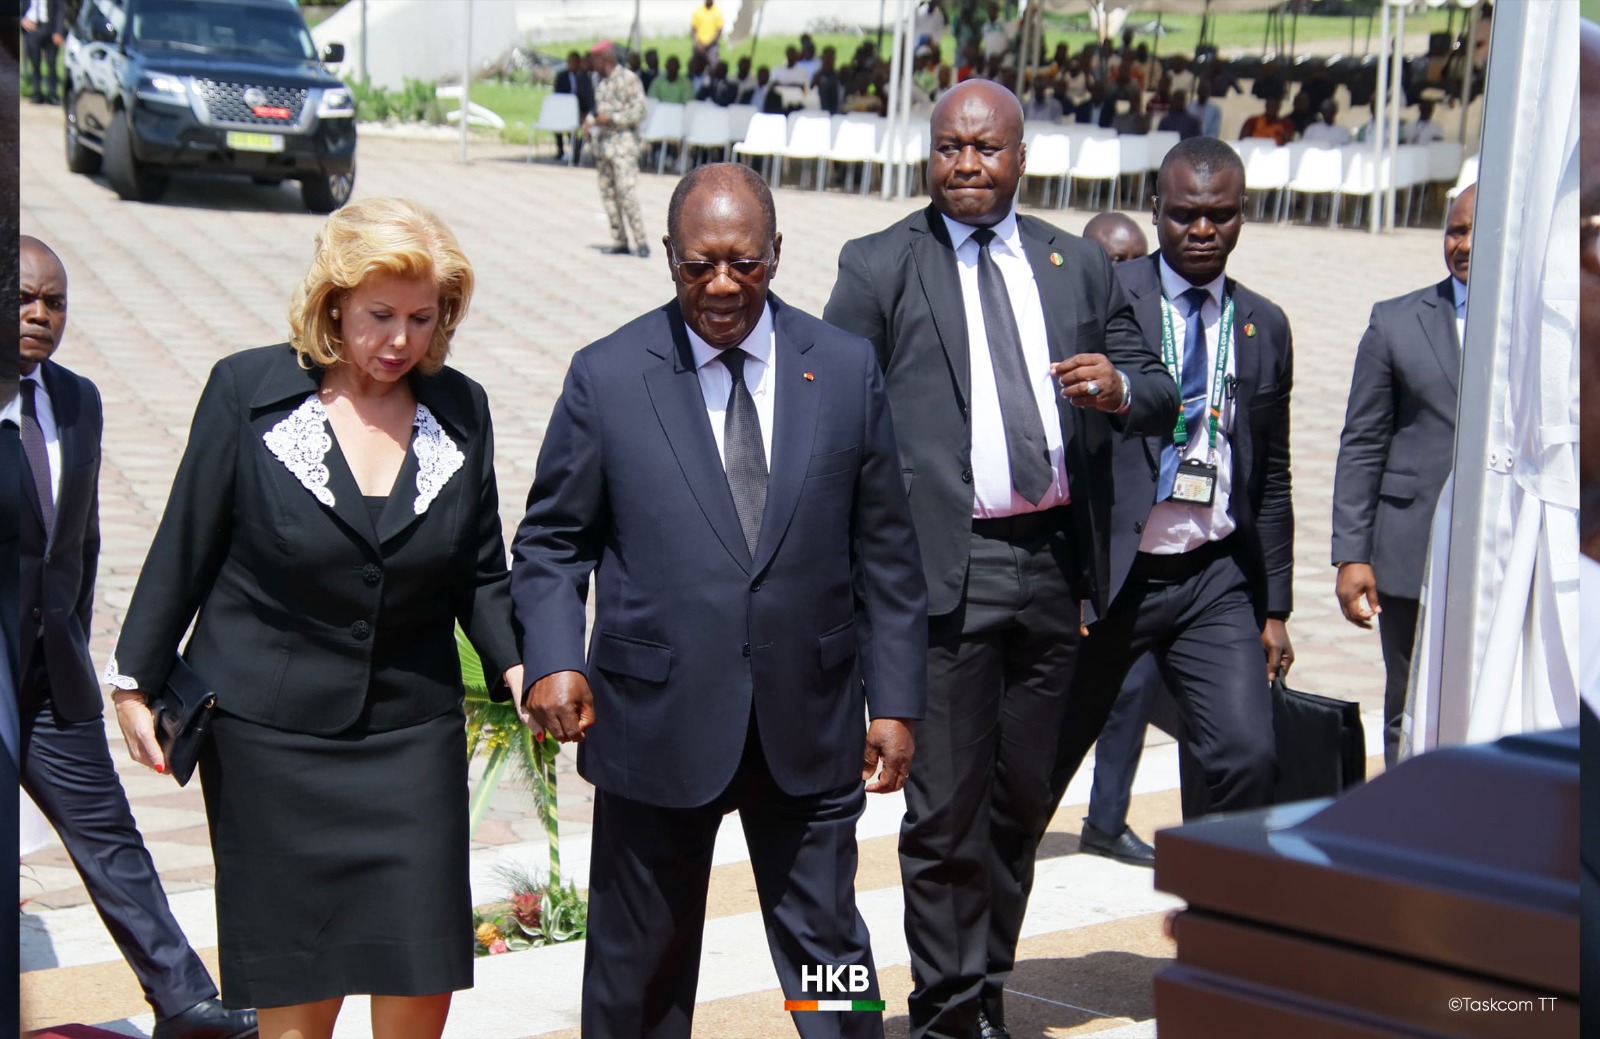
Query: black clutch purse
[[183, 720]]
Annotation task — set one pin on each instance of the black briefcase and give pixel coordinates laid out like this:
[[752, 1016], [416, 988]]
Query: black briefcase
[[183, 720], [1322, 749]]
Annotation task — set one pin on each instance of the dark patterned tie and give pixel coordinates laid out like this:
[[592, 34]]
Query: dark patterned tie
[[33, 450], [1026, 447], [1193, 387], [744, 457]]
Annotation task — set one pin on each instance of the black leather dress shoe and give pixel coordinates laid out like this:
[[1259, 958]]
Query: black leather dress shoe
[[208, 1019], [1125, 847], [616, 250], [989, 1030]]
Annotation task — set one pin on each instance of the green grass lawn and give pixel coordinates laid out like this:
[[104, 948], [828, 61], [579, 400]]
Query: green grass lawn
[[1248, 31]]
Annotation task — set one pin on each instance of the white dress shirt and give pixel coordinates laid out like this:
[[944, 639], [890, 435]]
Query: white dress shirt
[[1459, 287], [1589, 653], [1326, 135], [1425, 131], [1173, 527], [47, 422], [716, 381], [993, 494]]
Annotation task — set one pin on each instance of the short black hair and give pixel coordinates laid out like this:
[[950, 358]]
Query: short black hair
[[722, 173], [1204, 155]]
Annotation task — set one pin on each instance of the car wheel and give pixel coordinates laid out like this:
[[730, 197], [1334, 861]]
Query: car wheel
[[326, 193], [79, 158], [128, 177]]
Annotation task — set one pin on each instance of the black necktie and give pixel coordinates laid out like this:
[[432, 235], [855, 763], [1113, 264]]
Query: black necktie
[[33, 450], [1026, 447], [744, 457]]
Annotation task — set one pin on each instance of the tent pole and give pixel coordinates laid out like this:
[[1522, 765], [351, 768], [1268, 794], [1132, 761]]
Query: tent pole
[[902, 176], [1379, 109], [1397, 95], [892, 112], [466, 83], [1468, 71]]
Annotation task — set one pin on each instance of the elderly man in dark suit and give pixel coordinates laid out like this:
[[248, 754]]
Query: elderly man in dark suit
[[1206, 569], [1394, 455], [975, 314], [66, 764], [724, 468]]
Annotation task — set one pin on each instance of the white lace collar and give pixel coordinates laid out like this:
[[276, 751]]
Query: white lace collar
[[301, 441]]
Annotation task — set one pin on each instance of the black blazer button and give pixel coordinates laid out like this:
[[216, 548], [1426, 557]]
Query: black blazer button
[[371, 574], [361, 631], [966, 475], [36, 617], [1138, 528], [746, 650]]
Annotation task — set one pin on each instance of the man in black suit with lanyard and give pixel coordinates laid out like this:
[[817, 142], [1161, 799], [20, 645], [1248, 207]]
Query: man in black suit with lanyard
[[66, 764], [1208, 568], [976, 314]]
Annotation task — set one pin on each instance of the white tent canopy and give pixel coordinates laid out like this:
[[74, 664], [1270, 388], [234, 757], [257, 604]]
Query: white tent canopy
[[1498, 636]]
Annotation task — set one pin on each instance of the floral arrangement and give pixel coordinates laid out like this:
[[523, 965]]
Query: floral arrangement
[[534, 913]]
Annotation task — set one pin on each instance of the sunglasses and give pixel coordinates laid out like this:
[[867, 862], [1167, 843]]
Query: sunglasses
[[699, 272]]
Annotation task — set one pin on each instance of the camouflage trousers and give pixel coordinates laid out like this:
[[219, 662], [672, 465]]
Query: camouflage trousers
[[617, 163]]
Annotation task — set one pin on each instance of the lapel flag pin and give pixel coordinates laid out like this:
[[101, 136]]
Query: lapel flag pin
[[1250, 331], [1056, 260], [810, 377]]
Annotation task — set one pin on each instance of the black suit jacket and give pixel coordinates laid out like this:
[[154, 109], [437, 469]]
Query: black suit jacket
[[690, 632], [1399, 437], [1259, 499], [900, 288], [580, 83], [305, 608], [56, 575]]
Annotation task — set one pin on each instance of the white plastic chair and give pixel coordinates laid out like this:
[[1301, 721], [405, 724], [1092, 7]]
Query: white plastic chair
[[1444, 161], [765, 138], [909, 145], [664, 127], [855, 144], [1134, 161], [708, 127], [1360, 178], [1050, 159], [1098, 159], [1266, 170], [739, 117], [558, 113], [1320, 172], [1465, 180], [810, 138]]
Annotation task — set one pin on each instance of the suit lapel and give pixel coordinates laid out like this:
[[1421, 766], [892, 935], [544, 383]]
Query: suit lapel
[[1246, 351], [64, 406], [348, 504], [401, 511], [795, 405], [1145, 295], [1438, 317], [935, 259], [674, 388], [1058, 314]]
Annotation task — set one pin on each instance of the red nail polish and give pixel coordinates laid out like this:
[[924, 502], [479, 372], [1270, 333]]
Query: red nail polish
[[161, 768]]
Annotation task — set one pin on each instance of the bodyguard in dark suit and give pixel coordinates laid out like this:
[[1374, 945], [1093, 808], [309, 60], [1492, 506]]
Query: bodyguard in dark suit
[[575, 79], [42, 22], [1394, 455], [725, 469], [975, 313], [1205, 574], [66, 764]]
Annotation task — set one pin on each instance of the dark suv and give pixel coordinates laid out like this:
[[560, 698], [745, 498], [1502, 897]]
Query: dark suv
[[230, 86]]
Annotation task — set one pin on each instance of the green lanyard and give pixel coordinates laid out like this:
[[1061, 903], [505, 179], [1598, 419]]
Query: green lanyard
[[1219, 379]]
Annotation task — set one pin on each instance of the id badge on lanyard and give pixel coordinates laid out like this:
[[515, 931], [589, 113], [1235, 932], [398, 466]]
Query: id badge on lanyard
[[1196, 481]]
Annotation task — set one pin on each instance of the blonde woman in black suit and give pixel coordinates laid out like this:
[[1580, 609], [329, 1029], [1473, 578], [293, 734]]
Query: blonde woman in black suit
[[334, 515]]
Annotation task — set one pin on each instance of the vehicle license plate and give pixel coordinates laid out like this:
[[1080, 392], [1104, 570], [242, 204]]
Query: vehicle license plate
[[255, 142]]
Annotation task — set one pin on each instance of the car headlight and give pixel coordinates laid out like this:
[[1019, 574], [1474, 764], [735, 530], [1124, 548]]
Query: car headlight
[[163, 88], [336, 104]]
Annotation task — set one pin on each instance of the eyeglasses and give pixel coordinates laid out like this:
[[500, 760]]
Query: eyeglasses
[[699, 272]]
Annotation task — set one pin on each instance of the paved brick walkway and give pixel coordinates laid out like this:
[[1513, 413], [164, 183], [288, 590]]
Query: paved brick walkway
[[159, 292]]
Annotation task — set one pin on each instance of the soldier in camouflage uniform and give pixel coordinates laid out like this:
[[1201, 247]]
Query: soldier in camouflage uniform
[[614, 130]]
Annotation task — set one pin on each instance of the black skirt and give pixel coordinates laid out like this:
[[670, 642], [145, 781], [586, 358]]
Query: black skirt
[[341, 861]]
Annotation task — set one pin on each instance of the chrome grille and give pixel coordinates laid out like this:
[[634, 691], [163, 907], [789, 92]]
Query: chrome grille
[[224, 103]]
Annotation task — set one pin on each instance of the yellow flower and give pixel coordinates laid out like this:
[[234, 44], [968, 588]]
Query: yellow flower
[[487, 934]]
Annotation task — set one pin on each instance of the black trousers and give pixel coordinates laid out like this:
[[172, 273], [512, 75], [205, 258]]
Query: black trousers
[[41, 54], [979, 791], [1194, 613], [1397, 631], [67, 770], [647, 903]]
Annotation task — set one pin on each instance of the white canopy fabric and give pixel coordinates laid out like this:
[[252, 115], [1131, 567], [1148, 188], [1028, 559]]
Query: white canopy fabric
[[1498, 652]]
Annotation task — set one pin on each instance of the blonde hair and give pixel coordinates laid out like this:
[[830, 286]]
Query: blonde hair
[[378, 236]]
